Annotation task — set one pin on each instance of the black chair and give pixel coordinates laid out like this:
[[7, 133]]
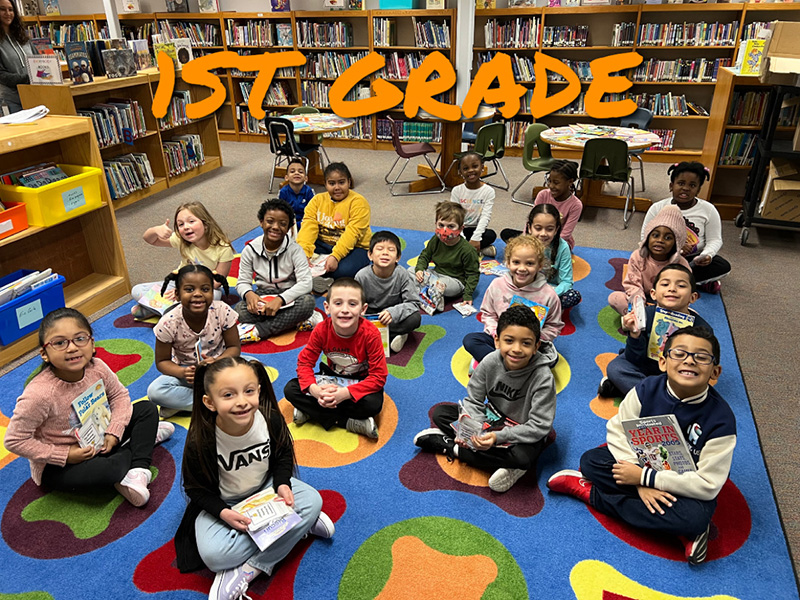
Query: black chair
[[638, 119], [283, 145]]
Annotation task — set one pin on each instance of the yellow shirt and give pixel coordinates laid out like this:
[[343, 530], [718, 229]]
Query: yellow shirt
[[344, 225], [210, 257]]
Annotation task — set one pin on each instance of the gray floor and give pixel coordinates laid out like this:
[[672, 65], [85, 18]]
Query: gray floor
[[765, 274]]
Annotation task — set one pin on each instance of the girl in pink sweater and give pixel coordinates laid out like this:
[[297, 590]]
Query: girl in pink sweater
[[523, 284], [45, 427], [664, 236]]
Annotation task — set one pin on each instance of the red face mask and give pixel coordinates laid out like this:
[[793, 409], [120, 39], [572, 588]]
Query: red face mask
[[446, 234]]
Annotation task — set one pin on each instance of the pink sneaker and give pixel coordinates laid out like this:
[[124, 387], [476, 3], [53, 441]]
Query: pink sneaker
[[570, 482], [133, 486], [165, 431]]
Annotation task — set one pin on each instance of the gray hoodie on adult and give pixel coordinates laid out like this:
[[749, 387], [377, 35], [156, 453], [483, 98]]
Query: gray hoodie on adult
[[13, 70], [526, 396]]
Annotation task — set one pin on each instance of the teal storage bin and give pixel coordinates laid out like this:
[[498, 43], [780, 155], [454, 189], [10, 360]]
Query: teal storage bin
[[401, 4]]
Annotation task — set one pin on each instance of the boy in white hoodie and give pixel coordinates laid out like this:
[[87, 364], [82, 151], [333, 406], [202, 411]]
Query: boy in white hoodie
[[523, 284]]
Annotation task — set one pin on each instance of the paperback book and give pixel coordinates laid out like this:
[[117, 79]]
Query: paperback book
[[383, 330], [119, 63], [91, 415], [80, 65], [659, 443], [665, 322], [183, 50], [334, 380], [538, 309], [269, 516], [153, 300]]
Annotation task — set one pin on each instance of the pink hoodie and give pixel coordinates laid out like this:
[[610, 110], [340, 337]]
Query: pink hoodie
[[502, 290]]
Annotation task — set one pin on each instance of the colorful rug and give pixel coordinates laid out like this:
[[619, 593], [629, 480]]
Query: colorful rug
[[409, 525]]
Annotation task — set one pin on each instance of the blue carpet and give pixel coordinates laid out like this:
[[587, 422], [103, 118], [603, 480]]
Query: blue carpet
[[410, 525]]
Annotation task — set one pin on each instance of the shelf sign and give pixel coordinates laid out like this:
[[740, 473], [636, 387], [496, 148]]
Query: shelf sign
[[73, 199], [29, 314], [127, 135]]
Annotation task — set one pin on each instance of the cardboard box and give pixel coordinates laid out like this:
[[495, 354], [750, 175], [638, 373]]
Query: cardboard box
[[781, 62], [781, 197]]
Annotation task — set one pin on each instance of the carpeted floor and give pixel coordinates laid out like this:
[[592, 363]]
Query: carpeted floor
[[410, 525]]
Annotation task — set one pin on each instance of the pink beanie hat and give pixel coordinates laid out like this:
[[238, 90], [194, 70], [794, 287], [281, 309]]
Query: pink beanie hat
[[671, 217]]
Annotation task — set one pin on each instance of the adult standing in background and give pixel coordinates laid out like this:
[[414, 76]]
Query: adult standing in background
[[13, 48]]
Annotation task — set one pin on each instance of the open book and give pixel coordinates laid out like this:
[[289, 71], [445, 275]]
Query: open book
[[659, 443], [91, 415], [269, 515]]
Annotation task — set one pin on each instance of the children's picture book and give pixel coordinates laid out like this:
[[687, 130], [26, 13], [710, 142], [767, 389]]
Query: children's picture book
[[280, 5], [283, 33], [493, 421], [42, 45], [485, 4], [355, 4], [153, 300], [25, 284], [466, 427], [168, 47], [434, 4], [334, 380], [492, 267], [141, 50], [383, 330], [659, 443], [183, 50], [41, 175], [269, 515], [539, 309], [51, 8], [432, 295], [748, 59], [334, 4], [208, 6], [90, 415], [80, 66], [119, 63], [131, 6], [44, 69], [177, 6], [465, 309], [317, 264], [665, 322]]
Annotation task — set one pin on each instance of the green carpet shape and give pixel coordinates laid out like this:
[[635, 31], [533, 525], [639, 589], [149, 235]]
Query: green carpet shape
[[132, 372], [610, 321], [87, 515], [368, 570], [416, 365], [27, 596]]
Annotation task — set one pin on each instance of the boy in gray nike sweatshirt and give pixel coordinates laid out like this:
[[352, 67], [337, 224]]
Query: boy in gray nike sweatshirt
[[512, 391]]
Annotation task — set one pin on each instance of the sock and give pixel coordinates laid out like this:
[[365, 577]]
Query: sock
[[250, 572]]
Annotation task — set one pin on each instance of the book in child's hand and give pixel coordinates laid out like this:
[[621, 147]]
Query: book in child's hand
[[90, 415], [638, 312], [659, 443], [270, 298], [262, 508], [466, 427], [317, 264], [492, 267], [333, 379], [465, 309], [383, 330], [665, 322], [540, 310], [153, 300]]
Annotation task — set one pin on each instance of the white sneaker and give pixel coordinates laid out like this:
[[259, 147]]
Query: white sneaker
[[165, 431], [299, 417], [489, 251], [398, 342], [311, 322], [248, 333], [366, 427], [133, 486], [503, 479], [323, 527]]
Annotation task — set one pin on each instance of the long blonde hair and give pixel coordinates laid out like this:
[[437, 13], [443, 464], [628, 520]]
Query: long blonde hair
[[214, 233]]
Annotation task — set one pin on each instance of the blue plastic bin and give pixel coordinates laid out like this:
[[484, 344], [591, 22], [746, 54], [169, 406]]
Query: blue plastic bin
[[22, 315]]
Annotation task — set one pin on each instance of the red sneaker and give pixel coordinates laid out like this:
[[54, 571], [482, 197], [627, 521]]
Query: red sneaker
[[570, 482]]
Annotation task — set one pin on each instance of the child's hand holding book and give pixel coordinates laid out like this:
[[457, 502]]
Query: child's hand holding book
[[236, 520]]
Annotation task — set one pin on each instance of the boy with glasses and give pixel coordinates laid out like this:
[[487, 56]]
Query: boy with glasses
[[611, 480]]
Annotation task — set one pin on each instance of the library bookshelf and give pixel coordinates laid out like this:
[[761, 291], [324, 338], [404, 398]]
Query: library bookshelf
[[94, 267], [689, 130], [68, 99]]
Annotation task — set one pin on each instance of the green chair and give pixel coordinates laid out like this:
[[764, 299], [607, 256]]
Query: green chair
[[303, 110], [490, 143], [606, 159], [535, 165]]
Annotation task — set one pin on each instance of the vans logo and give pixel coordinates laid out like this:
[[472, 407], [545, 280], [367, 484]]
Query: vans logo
[[245, 457]]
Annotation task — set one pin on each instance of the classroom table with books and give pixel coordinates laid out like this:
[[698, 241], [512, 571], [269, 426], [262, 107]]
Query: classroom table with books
[[574, 137], [308, 126]]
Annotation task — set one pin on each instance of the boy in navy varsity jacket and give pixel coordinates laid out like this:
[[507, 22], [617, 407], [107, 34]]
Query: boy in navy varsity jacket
[[611, 480]]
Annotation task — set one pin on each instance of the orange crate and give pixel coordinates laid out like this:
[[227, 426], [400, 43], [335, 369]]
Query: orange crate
[[13, 220]]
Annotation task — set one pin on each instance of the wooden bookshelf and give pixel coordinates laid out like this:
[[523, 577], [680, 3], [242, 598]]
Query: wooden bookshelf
[[86, 249], [68, 99]]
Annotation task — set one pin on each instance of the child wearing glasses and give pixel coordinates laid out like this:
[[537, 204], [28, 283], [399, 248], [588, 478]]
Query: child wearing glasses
[[673, 290], [46, 428], [611, 480]]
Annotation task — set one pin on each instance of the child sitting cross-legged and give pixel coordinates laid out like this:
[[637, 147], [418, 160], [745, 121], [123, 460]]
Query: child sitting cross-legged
[[674, 290], [391, 293], [281, 297], [456, 263], [515, 385], [611, 480], [355, 356]]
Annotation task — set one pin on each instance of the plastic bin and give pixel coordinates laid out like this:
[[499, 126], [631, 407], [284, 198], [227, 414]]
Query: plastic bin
[[13, 219], [22, 315], [56, 202], [401, 4]]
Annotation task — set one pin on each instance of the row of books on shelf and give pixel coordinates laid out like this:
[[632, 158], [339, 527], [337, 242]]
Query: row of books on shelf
[[248, 123], [693, 70], [410, 131], [34, 176], [753, 31], [116, 121], [399, 64], [667, 139], [282, 72], [747, 108], [200, 34], [623, 34], [669, 105], [183, 153], [72, 32], [522, 32], [572, 36], [688, 34], [324, 35], [738, 148], [176, 110], [258, 33], [431, 34], [329, 65], [384, 32], [361, 130], [315, 93], [128, 173], [85, 60]]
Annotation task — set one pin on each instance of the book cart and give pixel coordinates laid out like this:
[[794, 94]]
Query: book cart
[[86, 249], [68, 99]]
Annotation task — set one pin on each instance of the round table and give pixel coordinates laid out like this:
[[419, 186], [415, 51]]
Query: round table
[[573, 137], [308, 126]]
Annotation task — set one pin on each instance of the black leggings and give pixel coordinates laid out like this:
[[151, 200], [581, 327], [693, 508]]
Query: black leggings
[[713, 271], [135, 450], [487, 239]]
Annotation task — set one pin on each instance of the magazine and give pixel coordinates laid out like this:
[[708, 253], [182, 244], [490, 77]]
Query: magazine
[[665, 322], [659, 443], [269, 516], [383, 330], [90, 415]]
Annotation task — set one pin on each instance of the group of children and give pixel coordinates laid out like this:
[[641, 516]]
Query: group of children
[[511, 392]]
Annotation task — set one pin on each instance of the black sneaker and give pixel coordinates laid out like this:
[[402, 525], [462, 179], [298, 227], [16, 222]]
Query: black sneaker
[[434, 440], [696, 549], [606, 389]]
